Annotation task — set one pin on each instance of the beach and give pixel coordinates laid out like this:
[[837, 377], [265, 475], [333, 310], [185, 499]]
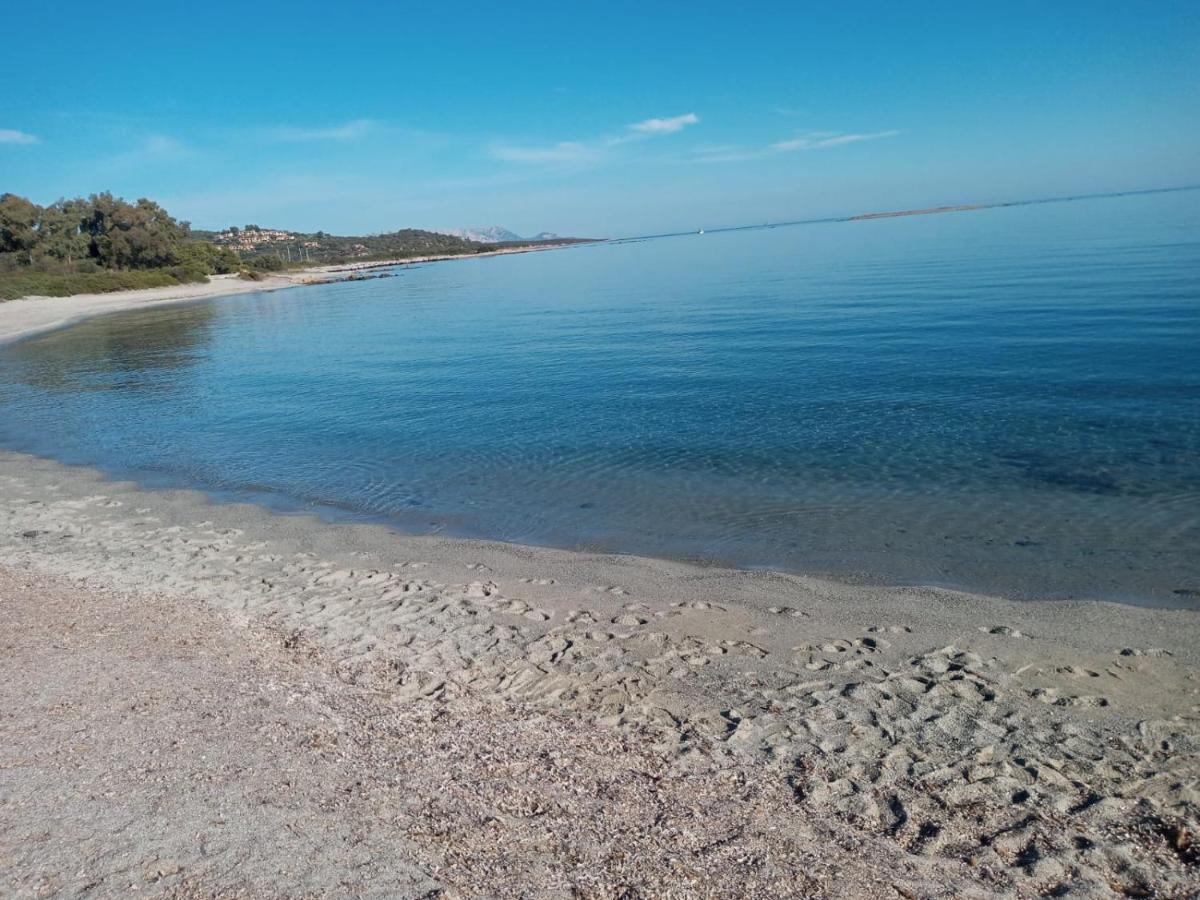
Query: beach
[[478, 718], [825, 527], [251, 692], [28, 316]]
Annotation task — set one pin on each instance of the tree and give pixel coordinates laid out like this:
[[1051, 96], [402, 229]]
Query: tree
[[204, 258], [18, 225], [60, 234], [131, 236]]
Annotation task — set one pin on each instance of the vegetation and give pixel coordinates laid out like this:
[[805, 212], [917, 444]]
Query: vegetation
[[101, 243], [268, 249], [50, 284]]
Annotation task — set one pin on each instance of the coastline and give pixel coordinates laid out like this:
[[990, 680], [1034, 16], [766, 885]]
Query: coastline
[[27, 316], [770, 734], [939, 729]]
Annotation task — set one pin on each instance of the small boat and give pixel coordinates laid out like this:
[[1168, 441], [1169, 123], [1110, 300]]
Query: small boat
[[701, 231]]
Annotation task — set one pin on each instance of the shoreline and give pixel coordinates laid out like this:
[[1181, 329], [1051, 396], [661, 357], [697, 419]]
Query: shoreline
[[758, 726], [29, 316], [950, 728]]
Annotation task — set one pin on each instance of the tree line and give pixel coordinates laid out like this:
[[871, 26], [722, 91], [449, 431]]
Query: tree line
[[103, 232]]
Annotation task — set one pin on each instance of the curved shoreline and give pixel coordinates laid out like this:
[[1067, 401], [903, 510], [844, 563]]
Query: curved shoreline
[[972, 744], [943, 724], [28, 316]]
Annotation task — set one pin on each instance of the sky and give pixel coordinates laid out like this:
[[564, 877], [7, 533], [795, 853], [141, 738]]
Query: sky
[[608, 119]]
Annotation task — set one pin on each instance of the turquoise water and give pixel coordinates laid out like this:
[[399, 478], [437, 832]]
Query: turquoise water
[[1006, 400]]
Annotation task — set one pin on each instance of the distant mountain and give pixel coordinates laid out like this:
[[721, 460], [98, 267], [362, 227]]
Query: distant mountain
[[484, 234], [545, 236]]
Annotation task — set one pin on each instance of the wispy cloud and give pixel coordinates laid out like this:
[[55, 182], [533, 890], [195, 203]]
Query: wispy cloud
[[562, 152], [818, 140], [593, 150], [665, 126], [12, 136], [811, 140], [347, 131]]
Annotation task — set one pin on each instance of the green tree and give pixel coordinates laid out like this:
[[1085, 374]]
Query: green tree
[[204, 258], [60, 234], [18, 225], [132, 236]]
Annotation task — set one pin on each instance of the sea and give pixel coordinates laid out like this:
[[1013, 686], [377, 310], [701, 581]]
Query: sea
[[1003, 400]]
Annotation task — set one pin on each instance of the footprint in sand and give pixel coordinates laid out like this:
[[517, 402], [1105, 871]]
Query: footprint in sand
[[858, 645], [1002, 630], [745, 648], [1053, 698], [1076, 672], [610, 589], [376, 578], [629, 620], [787, 611]]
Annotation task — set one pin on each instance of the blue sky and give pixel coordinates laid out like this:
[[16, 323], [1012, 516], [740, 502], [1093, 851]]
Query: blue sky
[[598, 119]]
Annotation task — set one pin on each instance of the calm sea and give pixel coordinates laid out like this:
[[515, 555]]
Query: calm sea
[[1005, 400]]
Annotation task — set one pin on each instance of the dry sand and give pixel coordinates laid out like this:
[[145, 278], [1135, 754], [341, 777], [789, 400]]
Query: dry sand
[[273, 705]]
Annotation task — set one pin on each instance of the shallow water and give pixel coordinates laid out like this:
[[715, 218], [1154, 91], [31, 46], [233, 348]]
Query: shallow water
[[1006, 400]]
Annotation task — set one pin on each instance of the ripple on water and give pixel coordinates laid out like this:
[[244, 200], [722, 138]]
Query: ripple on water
[[1007, 400]]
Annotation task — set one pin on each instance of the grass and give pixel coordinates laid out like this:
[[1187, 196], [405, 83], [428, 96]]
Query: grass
[[47, 284]]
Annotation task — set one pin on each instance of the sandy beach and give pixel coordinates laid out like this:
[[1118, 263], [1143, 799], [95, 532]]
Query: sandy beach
[[207, 699], [33, 315], [798, 537], [484, 719]]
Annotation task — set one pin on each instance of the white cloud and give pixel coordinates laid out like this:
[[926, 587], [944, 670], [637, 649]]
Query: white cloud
[[593, 150], [12, 136], [817, 140], [348, 131], [562, 152], [665, 126], [812, 140]]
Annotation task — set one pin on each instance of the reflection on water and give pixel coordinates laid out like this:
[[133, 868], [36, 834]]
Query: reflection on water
[[1007, 400], [134, 351]]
